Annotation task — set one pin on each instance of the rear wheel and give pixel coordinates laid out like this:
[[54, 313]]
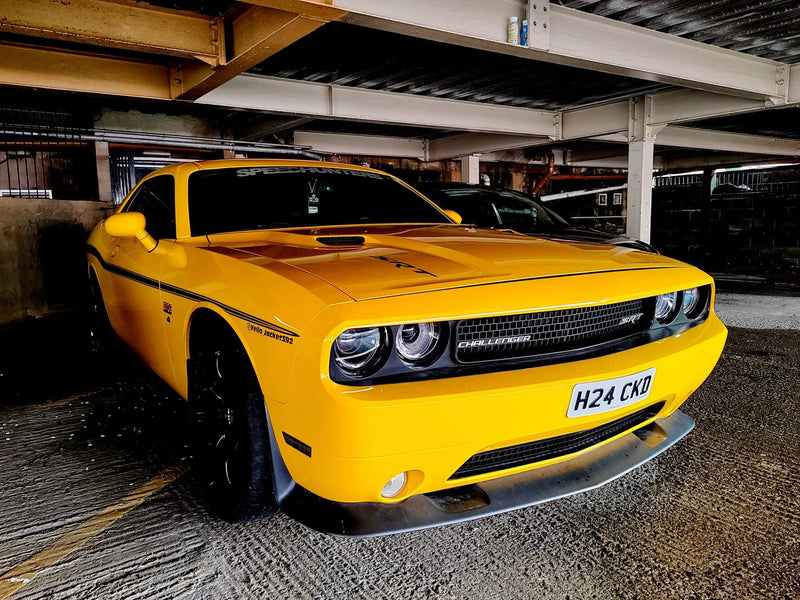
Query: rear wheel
[[229, 430]]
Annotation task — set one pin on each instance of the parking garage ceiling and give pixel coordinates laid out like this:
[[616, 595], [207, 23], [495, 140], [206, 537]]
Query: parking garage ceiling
[[379, 60], [713, 76], [761, 28]]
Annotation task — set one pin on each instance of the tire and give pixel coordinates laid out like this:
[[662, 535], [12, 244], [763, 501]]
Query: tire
[[230, 438], [101, 336]]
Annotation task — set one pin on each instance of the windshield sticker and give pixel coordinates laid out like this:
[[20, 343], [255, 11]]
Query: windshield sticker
[[402, 265], [305, 170]]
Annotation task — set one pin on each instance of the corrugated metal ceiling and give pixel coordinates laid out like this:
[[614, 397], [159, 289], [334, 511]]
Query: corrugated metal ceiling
[[354, 56], [766, 28], [780, 122]]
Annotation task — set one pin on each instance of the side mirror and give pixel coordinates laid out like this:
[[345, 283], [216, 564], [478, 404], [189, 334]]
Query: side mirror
[[453, 215], [130, 225]]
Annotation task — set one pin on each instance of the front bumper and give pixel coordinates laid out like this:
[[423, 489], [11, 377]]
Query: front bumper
[[583, 472]]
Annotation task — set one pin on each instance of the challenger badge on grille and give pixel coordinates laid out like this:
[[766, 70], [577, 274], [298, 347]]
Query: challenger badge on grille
[[530, 334], [516, 339]]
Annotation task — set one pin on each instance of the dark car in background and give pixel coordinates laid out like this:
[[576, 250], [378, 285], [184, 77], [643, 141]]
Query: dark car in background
[[500, 208]]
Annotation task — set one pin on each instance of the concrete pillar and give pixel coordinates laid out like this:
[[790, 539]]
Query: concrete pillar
[[640, 188], [103, 172], [470, 168]]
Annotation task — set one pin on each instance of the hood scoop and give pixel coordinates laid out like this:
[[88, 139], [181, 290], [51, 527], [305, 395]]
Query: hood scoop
[[342, 240]]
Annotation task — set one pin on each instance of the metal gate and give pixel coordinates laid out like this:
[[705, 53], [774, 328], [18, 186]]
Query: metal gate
[[42, 155]]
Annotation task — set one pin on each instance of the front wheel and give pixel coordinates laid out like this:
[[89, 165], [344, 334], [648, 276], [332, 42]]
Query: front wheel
[[230, 438], [101, 336]]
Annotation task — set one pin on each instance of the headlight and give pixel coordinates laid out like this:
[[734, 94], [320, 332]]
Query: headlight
[[418, 342], [360, 351], [665, 307], [691, 298], [694, 302]]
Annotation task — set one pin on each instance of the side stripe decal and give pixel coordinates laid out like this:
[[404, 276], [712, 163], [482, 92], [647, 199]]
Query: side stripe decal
[[171, 289]]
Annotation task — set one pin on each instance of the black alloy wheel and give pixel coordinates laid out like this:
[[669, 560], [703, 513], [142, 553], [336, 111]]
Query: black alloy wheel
[[230, 439]]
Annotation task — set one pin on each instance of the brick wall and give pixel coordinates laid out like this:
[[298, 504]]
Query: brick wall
[[754, 232]]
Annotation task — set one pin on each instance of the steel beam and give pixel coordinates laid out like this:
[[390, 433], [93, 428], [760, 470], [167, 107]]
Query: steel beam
[[76, 72], [575, 38], [367, 145], [114, 24], [723, 141], [640, 169], [674, 106], [304, 98], [640, 189], [455, 146], [793, 94], [255, 35]]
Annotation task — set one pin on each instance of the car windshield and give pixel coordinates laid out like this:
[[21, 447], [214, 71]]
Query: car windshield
[[504, 209], [239, 199]]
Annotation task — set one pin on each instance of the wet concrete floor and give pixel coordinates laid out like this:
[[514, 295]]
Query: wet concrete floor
[[717, 516]]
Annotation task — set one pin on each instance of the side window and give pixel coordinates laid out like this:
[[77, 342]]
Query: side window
[[155, 199]]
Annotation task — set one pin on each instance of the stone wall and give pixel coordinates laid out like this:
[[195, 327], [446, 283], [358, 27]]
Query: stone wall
[[43, 255]]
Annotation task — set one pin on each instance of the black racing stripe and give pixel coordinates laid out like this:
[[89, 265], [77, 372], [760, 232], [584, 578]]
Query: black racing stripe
[[536, 278], [176, 291]]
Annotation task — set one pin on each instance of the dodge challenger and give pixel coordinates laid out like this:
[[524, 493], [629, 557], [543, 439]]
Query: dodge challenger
[[353, 355]]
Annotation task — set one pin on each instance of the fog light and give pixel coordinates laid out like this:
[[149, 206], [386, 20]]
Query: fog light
[[394, 486]]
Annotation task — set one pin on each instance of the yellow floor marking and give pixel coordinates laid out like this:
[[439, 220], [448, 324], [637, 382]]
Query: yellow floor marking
[[24, 573]]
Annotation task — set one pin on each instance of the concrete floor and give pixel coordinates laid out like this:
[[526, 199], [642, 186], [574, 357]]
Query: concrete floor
[[718, 516]]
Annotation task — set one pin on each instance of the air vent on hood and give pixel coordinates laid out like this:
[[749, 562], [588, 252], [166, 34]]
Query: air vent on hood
[[341, 240]]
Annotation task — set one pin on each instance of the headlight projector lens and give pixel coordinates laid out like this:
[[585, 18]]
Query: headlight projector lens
[[691, 298], [665, 307], [358, 351], [695, 301], [417, 342]]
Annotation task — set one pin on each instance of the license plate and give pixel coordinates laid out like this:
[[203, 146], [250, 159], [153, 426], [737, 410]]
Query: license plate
[[602, 396]]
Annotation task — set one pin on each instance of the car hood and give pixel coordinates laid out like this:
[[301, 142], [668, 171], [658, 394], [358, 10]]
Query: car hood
[[379, 261], [584, 234]]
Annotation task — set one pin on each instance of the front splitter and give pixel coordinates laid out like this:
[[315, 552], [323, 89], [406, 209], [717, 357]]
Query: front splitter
[[584, 472]]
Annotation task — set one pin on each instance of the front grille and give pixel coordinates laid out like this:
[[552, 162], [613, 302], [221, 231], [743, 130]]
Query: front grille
[[532, 452], [530, 334]]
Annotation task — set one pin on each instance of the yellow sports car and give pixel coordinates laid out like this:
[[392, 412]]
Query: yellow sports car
[[355, 356]]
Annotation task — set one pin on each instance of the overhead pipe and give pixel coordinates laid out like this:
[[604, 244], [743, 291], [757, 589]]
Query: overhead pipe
[[551, 169], [567, 176], [159, 140]]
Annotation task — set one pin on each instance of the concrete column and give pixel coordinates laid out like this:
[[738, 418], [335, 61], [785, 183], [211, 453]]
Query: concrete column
[[470, 168], [103, 172], [640, 188]]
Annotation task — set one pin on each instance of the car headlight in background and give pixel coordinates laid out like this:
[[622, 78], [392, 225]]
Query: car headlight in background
[[665, 307], [417, 343], [360, 351]]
